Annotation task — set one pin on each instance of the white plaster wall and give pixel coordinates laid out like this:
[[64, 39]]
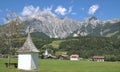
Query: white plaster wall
[[74, 58], [28, 61], [100, 60], [24, 61]]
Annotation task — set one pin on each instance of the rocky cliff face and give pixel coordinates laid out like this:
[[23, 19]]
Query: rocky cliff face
[[56, 27]]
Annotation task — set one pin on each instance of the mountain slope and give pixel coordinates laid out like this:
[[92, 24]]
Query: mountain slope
[[56, 27], [52, 26]]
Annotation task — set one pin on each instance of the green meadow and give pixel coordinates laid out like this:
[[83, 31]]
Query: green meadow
[[66, 66]]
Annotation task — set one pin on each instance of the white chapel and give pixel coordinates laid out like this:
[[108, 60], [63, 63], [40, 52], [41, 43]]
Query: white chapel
[[28, 55]]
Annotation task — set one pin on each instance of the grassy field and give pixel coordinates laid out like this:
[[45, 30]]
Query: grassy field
[[67, 66], [56, 43]]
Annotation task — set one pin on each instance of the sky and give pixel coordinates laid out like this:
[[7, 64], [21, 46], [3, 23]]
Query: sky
[[74, 9]]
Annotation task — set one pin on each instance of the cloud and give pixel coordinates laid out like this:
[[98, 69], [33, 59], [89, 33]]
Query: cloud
[[33, 11], [70, 9], [29, 10], [48, 8], [61, 10], [93, 9]]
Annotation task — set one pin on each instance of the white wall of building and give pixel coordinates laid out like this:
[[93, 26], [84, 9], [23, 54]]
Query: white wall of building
[[74, 58], [24, 61], [100, 60], [28, 61]]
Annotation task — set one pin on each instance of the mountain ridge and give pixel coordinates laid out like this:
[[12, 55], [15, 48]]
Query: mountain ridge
[[56, 27]]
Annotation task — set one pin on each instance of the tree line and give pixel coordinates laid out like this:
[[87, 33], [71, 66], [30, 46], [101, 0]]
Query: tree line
[[87, 47]]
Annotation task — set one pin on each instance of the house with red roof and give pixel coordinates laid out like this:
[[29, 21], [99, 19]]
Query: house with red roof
[[98, 58], [74, 57]]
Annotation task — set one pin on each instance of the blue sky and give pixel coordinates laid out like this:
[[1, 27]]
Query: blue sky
[[75, 9]]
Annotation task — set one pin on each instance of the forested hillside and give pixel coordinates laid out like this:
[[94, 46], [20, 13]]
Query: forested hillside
[[86, 47], [90, 46]]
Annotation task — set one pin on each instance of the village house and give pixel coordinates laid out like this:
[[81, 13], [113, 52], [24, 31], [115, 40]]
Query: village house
[[28, 55], [60, 57], [98, 58], [63, 57], [74, 57]]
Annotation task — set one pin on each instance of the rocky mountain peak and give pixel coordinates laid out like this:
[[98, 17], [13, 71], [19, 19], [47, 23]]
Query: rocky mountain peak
[[55, 27], [92, 18]]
